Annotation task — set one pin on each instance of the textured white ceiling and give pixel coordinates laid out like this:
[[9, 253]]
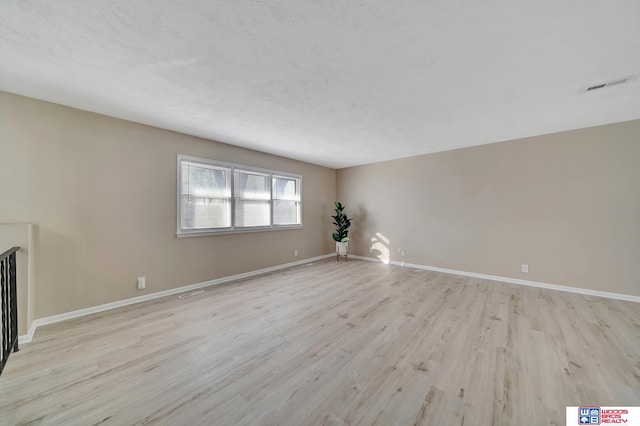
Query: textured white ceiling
[[331, 82]]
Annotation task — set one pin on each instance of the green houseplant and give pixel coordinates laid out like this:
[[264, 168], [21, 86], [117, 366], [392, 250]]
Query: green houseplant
[[342, 223]]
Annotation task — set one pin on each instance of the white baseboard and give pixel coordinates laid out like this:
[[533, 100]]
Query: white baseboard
[[517, 281], [113, 305], [118, 304]]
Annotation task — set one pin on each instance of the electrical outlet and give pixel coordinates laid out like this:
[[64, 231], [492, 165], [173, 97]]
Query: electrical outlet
[[525, 268], [295, 252], [142, 283]]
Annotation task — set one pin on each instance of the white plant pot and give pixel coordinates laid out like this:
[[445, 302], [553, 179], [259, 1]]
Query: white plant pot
[[341, 248]]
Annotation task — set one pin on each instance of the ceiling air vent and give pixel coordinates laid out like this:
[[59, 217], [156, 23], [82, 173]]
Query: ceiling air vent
[[611, 83], [597, 86]]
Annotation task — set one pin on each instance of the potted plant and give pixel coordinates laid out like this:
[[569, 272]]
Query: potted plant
[[342, 223]]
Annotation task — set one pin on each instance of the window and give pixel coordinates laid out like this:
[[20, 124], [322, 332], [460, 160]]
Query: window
[[286, 200], [215, 197], [205, 196], [252, 197]]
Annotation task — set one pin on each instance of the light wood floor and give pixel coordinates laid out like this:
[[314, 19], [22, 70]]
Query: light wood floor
[[335, 344]]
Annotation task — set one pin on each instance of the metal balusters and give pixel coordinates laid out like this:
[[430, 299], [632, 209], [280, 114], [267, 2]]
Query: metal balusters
[[8, 306]]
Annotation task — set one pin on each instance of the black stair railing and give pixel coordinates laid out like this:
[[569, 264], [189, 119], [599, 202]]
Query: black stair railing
[[8, 305]]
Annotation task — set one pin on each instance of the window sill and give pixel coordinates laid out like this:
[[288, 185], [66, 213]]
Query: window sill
[[208, 232]]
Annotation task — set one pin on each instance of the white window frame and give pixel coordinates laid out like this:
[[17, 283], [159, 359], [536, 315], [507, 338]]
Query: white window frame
[[232, 167]]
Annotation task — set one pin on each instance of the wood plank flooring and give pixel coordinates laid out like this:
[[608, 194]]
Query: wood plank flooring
[[332, 344]]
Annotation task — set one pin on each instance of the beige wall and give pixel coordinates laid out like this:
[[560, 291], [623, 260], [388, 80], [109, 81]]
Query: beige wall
[[102, 193], [566, 204]]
